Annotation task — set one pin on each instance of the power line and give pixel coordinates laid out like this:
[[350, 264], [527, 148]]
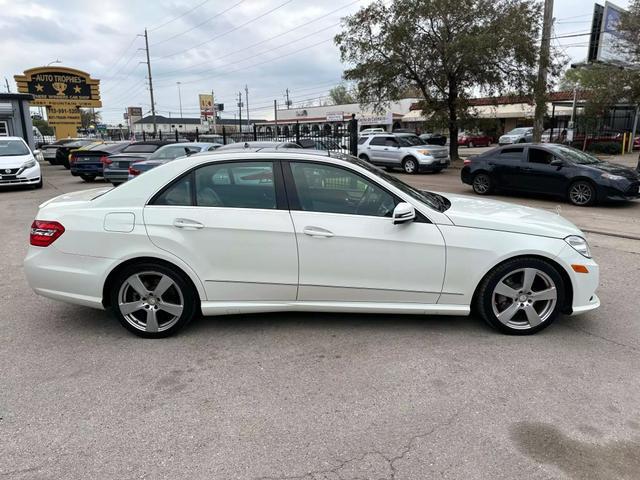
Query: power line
[[198, 25], [228, 31], [152, 29], [120, 56], [207, 62]]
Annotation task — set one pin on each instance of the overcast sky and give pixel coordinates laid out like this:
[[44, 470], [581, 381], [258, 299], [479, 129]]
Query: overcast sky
[[269, 45]]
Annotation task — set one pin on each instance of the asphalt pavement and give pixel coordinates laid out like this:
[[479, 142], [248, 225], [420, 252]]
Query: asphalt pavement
[[318, 396]]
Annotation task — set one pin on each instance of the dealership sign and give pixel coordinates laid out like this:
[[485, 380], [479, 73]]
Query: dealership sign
[[335, 116], [50, 86]]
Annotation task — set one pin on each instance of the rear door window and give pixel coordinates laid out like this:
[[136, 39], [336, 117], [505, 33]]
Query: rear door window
[[514, 153]]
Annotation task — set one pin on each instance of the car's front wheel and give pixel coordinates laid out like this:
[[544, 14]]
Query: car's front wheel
[[582, 193], [482, 184], [409, 165], [152, 300], [521, 296]]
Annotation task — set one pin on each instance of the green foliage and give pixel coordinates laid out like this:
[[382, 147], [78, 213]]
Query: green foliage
[[607, 148], [43, 126], [446, 50], [340, 95]]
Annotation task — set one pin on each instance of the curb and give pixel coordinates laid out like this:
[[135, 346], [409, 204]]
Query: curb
[[607, 233]]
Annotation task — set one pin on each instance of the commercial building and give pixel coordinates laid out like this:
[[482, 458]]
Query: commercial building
[[168, 125], [15, 120]]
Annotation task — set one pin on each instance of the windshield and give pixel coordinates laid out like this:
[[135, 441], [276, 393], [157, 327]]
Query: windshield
[[412, 140], [430, 199], [574, 155], [13, 148], [519, 131]]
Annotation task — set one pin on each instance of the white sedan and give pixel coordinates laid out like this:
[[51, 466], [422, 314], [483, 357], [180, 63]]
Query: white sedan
[[18, 165], [264, 231]]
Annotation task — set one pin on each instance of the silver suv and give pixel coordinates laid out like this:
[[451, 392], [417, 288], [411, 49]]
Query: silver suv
[[517, 135], [403, 150]]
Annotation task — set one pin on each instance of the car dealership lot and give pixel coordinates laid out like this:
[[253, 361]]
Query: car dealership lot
[[318, 395]]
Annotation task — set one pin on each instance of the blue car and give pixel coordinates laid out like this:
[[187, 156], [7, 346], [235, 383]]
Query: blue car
[[88, 162], [168, 153]]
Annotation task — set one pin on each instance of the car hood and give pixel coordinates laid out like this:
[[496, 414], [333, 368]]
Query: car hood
[[475, 212], [14, 161], [615, 169]]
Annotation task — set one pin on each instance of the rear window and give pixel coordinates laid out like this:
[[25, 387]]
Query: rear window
[[141, 148]]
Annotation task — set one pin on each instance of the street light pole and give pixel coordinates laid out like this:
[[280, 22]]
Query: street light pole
[[179, 98], [246, 95]]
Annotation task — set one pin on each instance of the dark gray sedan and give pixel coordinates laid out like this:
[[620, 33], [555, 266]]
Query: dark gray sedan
[[167, 154], [116, 167]]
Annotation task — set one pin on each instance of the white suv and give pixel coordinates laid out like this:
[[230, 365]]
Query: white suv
[[406, 151]]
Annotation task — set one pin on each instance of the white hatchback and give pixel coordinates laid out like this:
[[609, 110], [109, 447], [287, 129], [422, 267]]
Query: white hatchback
[[18, 165], [241, 232]]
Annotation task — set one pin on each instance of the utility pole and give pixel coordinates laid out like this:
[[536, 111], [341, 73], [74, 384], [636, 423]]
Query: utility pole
[[7, 82], [286, 92], [179, 98], [246, 96], [213, 111], [153, 105], [275, 116], [240, 112], [540, 93]]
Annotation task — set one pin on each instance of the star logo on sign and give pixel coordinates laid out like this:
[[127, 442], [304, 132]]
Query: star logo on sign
[[77, 89], [39, 88]]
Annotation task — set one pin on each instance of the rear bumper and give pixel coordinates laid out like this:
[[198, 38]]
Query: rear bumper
[[86, 169], [465, 175], [116, 175]]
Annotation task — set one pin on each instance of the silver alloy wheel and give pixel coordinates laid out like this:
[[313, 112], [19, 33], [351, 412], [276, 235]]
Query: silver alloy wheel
[[409, 166], [150, 301], [481, 183], [580, 193], [524, 298]]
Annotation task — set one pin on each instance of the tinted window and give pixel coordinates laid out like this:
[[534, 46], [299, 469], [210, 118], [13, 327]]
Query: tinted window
[[177, 194], [378, 141], [512, 153], [141, 148], [238, 185], [169, 152], [323, 188], [361, 140], [392, 142], [537, 155]]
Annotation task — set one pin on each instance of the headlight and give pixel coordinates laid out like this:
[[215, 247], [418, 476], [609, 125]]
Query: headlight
[[579, 244], [30, 163], [424, 152], [610, 176]]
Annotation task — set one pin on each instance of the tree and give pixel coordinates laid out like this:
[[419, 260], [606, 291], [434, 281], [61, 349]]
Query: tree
[[446, 50], [89, 117], [340, 95], [43, 126]]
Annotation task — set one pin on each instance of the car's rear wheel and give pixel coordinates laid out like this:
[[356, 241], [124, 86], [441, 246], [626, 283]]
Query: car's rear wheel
[[482, 184], [152, 300], [88, 178], [582, 193], [521, 296], [409, 165]]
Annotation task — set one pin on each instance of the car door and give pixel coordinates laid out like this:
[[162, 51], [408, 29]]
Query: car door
[[506, 165], [229, 221], [376, 150], [538, 175], [349, 249]]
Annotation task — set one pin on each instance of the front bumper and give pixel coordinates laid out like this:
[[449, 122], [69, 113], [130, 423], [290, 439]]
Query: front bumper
[[430, 164], [584, 285], [29, 176], [625, 191]]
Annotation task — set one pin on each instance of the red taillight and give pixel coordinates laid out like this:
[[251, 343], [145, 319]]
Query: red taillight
[[105, 160], [133, 171], [467, 161], [44, 232], [72, 158]]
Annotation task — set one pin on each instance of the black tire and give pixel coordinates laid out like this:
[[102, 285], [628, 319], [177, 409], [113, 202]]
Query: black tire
[[364, 157], [482, 183], [582, 193], [519, 323], [410, 165], [88, 178], [180, 293], [38, 185]]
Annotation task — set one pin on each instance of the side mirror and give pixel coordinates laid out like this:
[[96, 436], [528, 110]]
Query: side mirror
[[556, 162], [403, 213]]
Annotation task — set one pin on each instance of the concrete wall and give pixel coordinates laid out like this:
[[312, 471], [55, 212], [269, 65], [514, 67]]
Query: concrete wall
[[14, 111]]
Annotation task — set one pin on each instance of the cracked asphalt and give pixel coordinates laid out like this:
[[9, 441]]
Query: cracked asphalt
[[315, 396]]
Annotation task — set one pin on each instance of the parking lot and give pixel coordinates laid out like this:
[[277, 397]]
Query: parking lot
[[321, 396]]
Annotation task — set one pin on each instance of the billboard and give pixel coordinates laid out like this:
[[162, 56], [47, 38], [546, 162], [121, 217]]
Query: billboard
[[606, 42], [206, 104]]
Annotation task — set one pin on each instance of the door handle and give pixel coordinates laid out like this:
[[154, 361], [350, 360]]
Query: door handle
[[187, 224], [527, 169], [317, 232]]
